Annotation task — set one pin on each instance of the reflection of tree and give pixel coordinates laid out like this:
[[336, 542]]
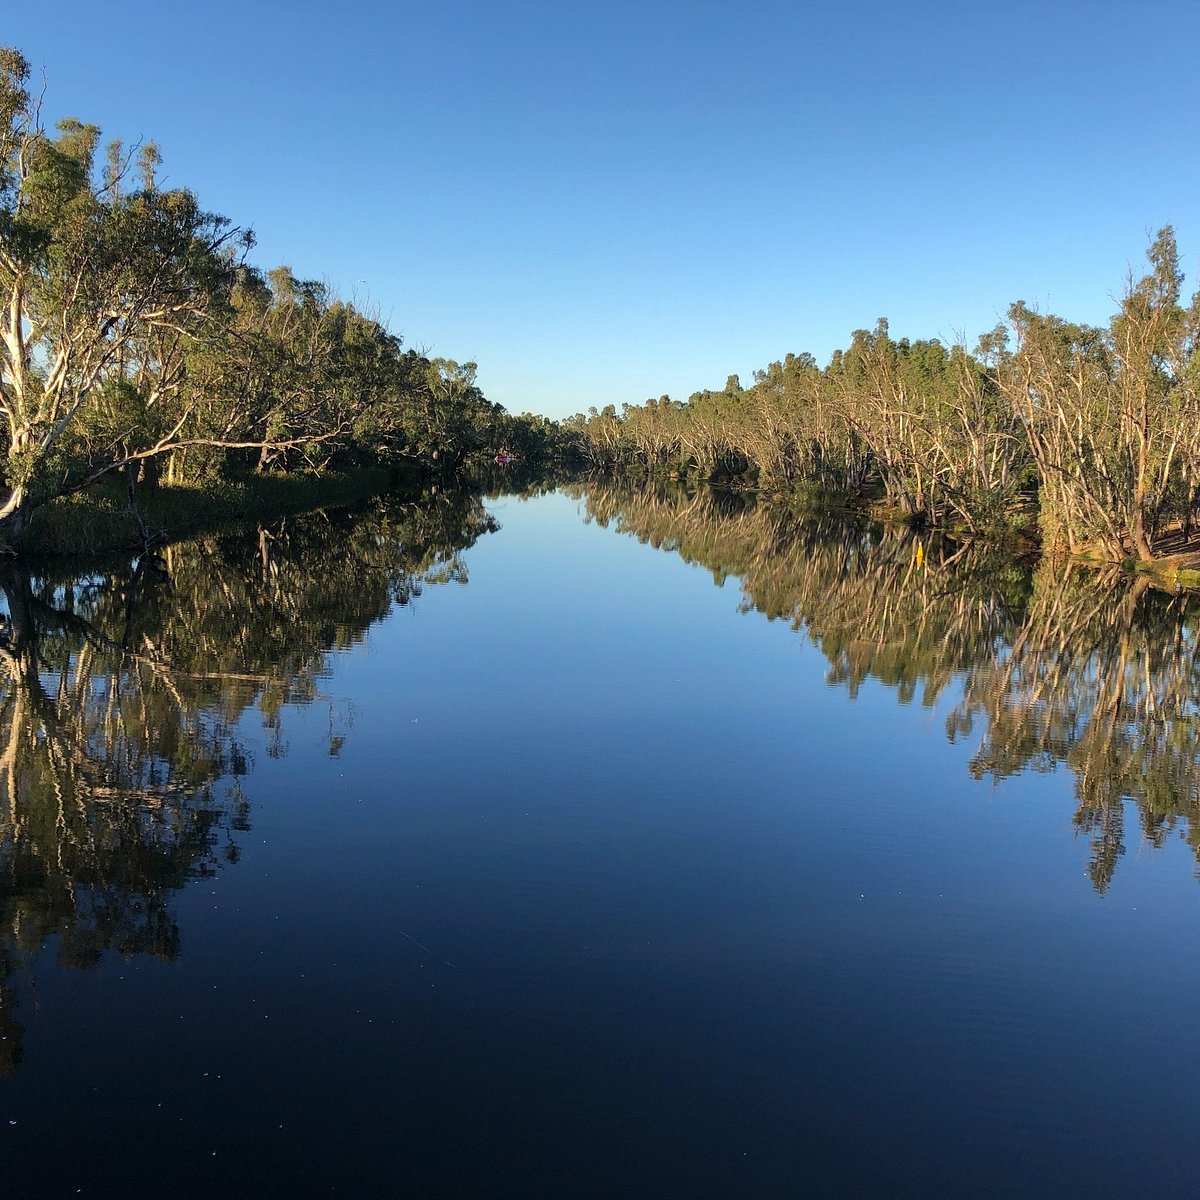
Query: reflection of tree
[[1099, 672], [877, 601], [120, 696], [1105, 676]]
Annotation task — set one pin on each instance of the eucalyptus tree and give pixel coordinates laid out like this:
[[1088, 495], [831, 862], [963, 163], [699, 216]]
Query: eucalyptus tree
[[293, 378], [1112, 415], [100, 282], [132, 330], [448, 420], [1095, 428]]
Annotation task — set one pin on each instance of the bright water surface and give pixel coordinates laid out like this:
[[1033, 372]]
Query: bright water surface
[[398, 855]]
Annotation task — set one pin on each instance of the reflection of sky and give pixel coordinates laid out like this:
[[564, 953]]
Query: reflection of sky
[[607, 885], [577, 664]]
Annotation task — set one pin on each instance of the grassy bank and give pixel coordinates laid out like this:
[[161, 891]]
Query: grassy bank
[[98, 520]]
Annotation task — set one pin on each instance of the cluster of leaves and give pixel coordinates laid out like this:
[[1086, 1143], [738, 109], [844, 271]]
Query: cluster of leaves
[[135, 338], [1095, 431]]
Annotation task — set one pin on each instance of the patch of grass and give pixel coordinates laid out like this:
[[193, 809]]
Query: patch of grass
[[98, 520]]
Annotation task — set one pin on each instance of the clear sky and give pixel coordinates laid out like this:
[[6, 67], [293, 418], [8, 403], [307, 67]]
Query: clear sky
[[604, 201]]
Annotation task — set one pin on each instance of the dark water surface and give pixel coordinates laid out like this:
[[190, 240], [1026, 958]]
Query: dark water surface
[[402, 855]]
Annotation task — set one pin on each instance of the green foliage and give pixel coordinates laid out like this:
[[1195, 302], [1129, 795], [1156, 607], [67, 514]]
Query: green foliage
[[1091, 434], [134, 335]]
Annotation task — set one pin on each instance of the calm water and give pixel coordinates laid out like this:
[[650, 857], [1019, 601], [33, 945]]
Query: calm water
[[484, 849]]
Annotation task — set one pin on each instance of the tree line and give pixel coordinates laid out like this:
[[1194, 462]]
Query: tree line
[[137, 341], [1086, 436]]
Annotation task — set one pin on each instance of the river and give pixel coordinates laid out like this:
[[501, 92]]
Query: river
[[597, 843]]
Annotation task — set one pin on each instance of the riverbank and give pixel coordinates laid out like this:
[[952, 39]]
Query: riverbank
[[99, 521]]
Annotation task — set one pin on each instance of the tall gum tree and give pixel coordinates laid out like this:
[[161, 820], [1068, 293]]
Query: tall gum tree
[[1112, 416], [99, 281]]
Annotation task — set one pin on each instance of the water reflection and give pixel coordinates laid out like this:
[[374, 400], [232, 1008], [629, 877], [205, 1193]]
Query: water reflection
[[1100, 672], [122, 693], [1104, 675]]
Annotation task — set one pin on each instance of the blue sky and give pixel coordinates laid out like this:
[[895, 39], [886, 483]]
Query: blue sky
[[601, 202]]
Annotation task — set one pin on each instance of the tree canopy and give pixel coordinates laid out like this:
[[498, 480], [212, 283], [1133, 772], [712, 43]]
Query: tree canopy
[[1088, 436], [136, 337]]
